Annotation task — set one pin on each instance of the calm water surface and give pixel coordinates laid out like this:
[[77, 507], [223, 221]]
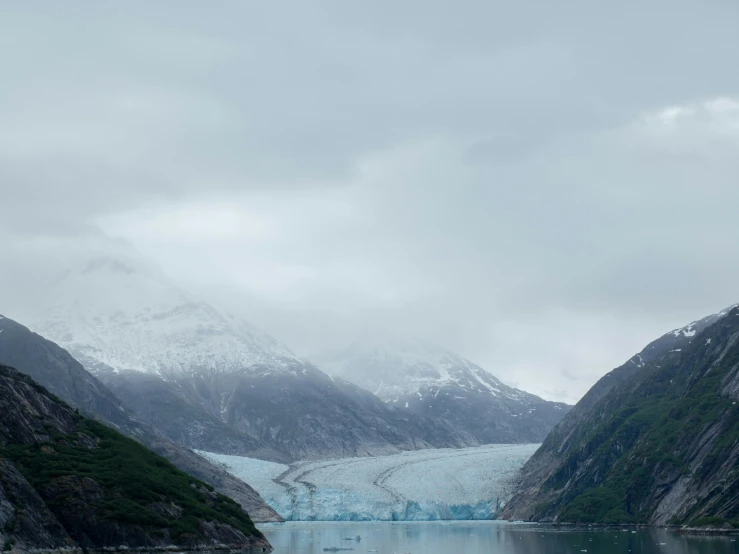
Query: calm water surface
[[482, 537]]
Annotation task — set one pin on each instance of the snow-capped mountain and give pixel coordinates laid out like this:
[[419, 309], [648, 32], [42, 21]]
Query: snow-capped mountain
[[428, 380], [53, 368], [212, 381], [125, 315], [675, 340], [397, 367]]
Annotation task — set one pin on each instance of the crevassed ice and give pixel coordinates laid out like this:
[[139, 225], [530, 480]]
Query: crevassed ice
[[445, 484]]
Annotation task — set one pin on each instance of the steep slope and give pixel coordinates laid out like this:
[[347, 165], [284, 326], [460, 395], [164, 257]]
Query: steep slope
[[55, 369], [224, 385], [423, 379], [70, 482], [305, 418], [656, 440]]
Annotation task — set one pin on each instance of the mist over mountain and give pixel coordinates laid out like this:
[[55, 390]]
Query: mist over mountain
[[472, 175], [54, 368], [211, 381], [394, 241], [428, 380]]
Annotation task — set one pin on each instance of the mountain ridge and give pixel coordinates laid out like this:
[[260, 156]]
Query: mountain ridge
[[55, 369], [70, 483], [431, 381], [229, 387], [654, 441]]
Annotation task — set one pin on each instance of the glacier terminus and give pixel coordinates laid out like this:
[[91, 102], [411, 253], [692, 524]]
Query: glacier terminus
[[425, 485]]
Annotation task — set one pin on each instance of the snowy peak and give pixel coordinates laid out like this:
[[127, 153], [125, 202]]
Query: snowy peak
[[120, 314], [697, 326], [676, 339], [422, 379], [396, 367]]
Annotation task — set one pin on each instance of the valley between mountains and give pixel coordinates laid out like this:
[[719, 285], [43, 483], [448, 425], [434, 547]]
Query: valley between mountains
[[395, 429], [211, 381], [425, 485]]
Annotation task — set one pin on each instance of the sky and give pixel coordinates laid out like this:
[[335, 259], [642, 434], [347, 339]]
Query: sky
[[542, 187]]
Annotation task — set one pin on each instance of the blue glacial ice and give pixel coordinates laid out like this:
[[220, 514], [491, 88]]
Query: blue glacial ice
[[425, 485]]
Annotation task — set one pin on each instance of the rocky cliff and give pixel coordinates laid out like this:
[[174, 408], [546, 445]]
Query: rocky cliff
[[654, 441], [70, 482], [54, 368]]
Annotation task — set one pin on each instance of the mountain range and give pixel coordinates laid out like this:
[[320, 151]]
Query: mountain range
[[211, 381], [656, 440], [54, 368]]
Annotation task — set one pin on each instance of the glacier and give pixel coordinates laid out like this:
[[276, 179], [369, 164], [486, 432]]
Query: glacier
[[426, 485]]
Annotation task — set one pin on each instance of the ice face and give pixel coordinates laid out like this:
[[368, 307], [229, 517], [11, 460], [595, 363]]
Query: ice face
[[445, 484]]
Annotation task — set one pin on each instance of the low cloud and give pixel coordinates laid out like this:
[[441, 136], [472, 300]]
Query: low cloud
[[537, 193]]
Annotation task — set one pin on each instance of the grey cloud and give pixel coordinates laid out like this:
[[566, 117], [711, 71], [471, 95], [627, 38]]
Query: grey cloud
[[178, 97], [474, 172]]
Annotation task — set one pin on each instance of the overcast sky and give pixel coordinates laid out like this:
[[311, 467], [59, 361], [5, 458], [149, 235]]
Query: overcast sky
[[542, 186]]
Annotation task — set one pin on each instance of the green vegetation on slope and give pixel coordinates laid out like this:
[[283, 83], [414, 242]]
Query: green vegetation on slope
[[647, 435], [134, 481]]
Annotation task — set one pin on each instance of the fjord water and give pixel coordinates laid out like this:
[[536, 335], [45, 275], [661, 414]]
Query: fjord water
[[483, 537]]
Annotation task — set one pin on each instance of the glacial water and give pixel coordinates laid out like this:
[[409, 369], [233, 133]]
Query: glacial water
[[456, 537]]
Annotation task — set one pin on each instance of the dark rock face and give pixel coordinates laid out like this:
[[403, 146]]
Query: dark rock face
[[655, 441], [181, 417], [161, 404], [61, 374], [69, 482], [286, 416], [523, 418], [35, 524]]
